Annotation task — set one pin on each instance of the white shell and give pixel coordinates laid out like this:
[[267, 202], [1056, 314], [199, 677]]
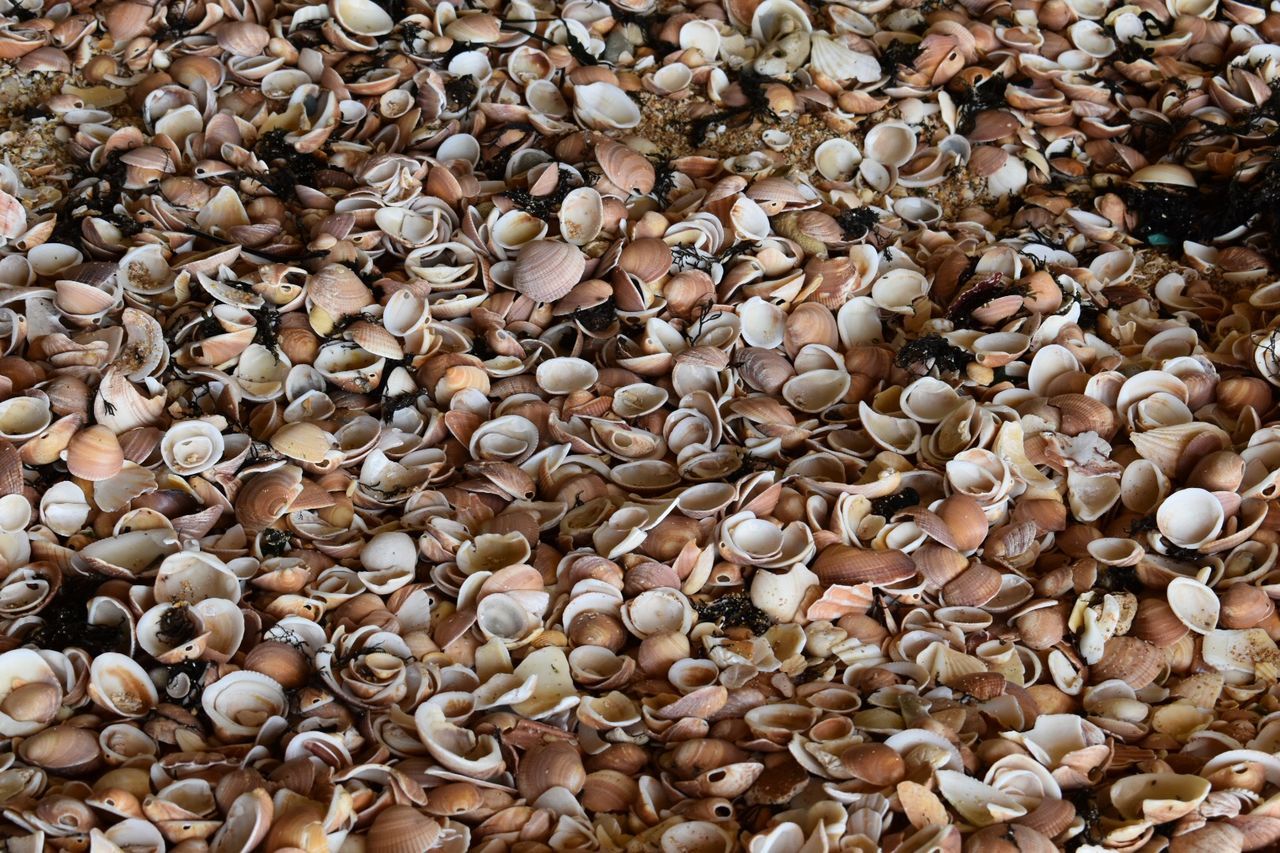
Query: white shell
[[581, 216], [764, 324], [240, 703], [362, 17], [604, 106], [1194, 604], [1190, 517], [191, 447], [890, 143]]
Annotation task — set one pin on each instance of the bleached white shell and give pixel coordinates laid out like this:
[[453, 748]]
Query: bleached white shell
[[840, 63], [658, 611], [566, 375], [837, 159], [1194, 604], [240, 703], [191, 447], [1190, 517], [604, 106], [64, 508], [890, 143], [581, 216], [763, 324], [816, 390], [897, 290], [362, 17]]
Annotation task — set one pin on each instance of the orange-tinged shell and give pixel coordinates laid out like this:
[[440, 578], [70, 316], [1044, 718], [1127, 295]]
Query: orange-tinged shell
[[974, 587], [1134, 661], [625, 168], [609, 791], [339, 291], [280, 661], [267, 496], [938, 564], [968, 523], [1051, 818], [402, 829], [1081, 413], [1244, 606], [453, 799], [556, 764], [94, 454], [65, 750], [847, 565], [548, 270], [1156, 623], [648, 258], [874, 763]]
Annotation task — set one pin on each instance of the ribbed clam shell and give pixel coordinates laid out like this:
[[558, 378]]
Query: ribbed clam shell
[[548, 270], [846, 565]]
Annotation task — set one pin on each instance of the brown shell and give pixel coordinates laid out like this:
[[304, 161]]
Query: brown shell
[[968, 523], [938, 564], [625, 168], [843, 564], [1156, 623], [1051, 818], [280, 661], [1244, 606], [980, 685], [874, 763], [1081, 413], [648, 258], [402, 829], [1134, 661], [65, 750], [974, 588], [94, 454], [268, 496], [554, 765]]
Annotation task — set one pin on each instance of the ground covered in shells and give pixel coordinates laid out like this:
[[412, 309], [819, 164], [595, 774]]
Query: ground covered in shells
[[639, 426]]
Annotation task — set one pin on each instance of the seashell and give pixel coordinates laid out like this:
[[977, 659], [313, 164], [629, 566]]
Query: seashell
[[1194, 604], [874, 763], [843, 564], [566, 375], [624, 167], [547, 271], [94, 454], [120, 686], [361, 17], [1134, 661], [837, 159], [890, 143], [581, 216], [402, 828], [1244, 606], [604, 106], [1158, 797], [838, 62], [64, 750], [240, 703], [1190, 517], [191, 447]]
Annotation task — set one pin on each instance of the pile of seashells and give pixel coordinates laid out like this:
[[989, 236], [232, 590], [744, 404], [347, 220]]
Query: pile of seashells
[[534, 426]]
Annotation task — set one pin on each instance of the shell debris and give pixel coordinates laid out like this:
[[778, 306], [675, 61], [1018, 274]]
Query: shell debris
[[639, 425]]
